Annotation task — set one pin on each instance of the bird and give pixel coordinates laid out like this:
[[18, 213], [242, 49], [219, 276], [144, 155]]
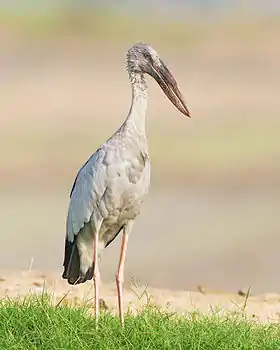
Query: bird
[[111, 186]]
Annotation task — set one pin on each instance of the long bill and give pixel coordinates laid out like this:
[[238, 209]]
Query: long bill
[[168, 84]]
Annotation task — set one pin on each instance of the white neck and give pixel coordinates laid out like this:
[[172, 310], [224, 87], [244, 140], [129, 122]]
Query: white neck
[[136, 119]]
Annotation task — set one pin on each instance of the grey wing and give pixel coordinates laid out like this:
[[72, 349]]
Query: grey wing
[[87, 191]]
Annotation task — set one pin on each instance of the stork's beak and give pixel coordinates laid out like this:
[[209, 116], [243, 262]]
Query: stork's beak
[[167, 82]]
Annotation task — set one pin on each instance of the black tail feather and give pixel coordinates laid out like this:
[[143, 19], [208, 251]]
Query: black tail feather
[[72, 264]]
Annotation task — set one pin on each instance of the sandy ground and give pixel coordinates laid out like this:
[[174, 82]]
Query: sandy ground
[[264, 308]]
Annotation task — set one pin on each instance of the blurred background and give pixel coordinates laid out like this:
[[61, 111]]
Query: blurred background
[[212, 215]]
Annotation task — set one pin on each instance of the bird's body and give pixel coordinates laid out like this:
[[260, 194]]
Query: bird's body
[[110, 188]]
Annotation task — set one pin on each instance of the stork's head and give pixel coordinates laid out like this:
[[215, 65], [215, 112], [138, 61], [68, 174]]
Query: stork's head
[[142, 58]]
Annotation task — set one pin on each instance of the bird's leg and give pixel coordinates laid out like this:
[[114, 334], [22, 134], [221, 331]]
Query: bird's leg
[[120, 275], [96, 276]]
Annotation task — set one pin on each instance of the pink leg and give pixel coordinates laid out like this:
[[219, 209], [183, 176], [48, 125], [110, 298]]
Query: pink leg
[[120, 275], [96, 276]]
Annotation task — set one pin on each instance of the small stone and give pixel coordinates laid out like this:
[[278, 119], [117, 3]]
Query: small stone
[[201, 289], [37, 284]]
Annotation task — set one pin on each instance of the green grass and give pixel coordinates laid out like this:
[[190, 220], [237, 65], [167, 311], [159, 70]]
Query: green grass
[[34, 324]]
